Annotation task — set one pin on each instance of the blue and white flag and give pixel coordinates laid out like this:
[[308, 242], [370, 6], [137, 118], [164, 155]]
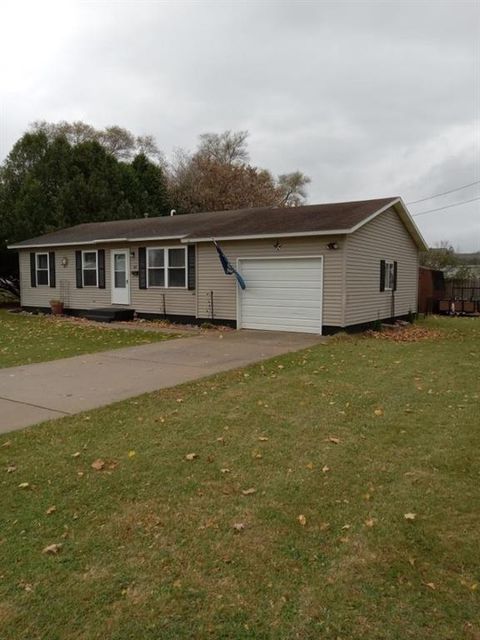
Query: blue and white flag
[[228, 267]]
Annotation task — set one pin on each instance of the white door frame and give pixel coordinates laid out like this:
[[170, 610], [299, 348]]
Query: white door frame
[[280, 257], [126, 291]]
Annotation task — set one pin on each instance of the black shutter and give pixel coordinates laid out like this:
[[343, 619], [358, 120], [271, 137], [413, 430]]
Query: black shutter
[[382, 275], [142, 268], [78, 268], [101, 268], [33, 271], [191, 269], [51, 267], [395, 268]]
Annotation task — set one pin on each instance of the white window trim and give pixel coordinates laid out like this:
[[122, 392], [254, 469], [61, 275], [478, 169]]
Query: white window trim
[[42, 253], [166, 267], [84, 251], [387, 263]]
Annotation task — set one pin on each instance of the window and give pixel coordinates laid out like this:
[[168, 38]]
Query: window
[[389, 275], [156, 267], [176, 267], [167, 267], [89, 268], [42, 269]]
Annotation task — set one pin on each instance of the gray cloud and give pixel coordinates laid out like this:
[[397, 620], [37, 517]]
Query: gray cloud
[[368, 98]]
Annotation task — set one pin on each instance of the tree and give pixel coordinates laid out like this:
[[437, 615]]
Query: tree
[[225, 148], [218, 177], [118, 141], [206, 185], [292, 187], [444, 258], [152, 187], [47, 183]]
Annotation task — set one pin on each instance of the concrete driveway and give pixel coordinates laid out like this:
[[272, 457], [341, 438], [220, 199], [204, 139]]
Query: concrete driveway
[[36, 392]]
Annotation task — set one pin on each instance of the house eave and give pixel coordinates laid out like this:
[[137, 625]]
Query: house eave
[[267, 236], [92, 242]]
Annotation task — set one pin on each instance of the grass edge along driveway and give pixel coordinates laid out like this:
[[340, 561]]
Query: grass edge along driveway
[[25, 339], [331, 493]]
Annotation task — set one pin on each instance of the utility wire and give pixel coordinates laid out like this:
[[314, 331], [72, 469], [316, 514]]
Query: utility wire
[[444, 193], [447, 206]]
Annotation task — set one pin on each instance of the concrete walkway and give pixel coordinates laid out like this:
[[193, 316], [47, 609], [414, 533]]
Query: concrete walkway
[[36, 392]]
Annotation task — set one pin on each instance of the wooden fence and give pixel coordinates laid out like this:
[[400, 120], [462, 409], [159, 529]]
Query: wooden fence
[[464, 289]]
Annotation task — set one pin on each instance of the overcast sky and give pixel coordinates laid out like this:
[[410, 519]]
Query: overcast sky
[[369, 99]]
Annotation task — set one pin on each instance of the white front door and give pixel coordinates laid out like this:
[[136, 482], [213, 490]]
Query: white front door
[[120, 276]]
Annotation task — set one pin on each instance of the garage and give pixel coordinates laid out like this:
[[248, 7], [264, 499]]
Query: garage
[[282, 294]]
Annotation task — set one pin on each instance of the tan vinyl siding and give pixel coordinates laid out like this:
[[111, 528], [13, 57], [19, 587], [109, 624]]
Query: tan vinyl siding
[[210, 275], [384, 238], [177, 301]]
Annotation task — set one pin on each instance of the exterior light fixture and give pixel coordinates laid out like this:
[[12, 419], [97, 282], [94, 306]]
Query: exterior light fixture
[[64, 261], [333, 246], [277, 245]]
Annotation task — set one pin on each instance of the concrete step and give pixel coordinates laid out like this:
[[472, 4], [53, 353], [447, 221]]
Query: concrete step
[[109, 314]]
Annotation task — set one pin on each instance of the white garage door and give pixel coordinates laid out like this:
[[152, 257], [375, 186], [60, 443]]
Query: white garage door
[[282, 294]]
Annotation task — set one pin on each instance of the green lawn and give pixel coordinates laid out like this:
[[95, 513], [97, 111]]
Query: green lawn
[[25, 338], [351, 435]]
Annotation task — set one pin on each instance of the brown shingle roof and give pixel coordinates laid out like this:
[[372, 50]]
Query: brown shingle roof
[[269, 221]]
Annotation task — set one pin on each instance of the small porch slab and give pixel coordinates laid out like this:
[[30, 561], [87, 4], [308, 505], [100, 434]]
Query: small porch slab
[[109, 314]]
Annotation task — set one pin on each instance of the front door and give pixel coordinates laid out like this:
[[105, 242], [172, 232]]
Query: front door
[[120, 276]]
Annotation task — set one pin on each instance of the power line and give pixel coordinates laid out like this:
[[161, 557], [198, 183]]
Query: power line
[[447, 206], [444, 193]]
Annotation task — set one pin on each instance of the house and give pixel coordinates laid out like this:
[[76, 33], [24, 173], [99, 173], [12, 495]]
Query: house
[[315, 268]]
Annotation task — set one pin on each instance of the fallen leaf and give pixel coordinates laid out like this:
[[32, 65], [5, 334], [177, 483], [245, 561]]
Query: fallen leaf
[[263, 438], [302, 520], [225, 470], [325, 468], [177, 584], [334, 439], [378, 412], [249, 492], [239, 526], [370, 522], [191, 456], [24, 485], [76, 454], [98, 464], [346, 526], [409, 516], [309, 465], [11, 468], [7, 443], [51, 510], [430, 585], [53, 549], [132, 454]]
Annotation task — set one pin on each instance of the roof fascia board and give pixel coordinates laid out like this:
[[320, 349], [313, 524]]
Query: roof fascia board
[[298, 234], [89, 242], [411, 225]]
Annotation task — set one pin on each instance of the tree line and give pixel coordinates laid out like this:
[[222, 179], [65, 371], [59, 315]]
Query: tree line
[[61, 174]]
